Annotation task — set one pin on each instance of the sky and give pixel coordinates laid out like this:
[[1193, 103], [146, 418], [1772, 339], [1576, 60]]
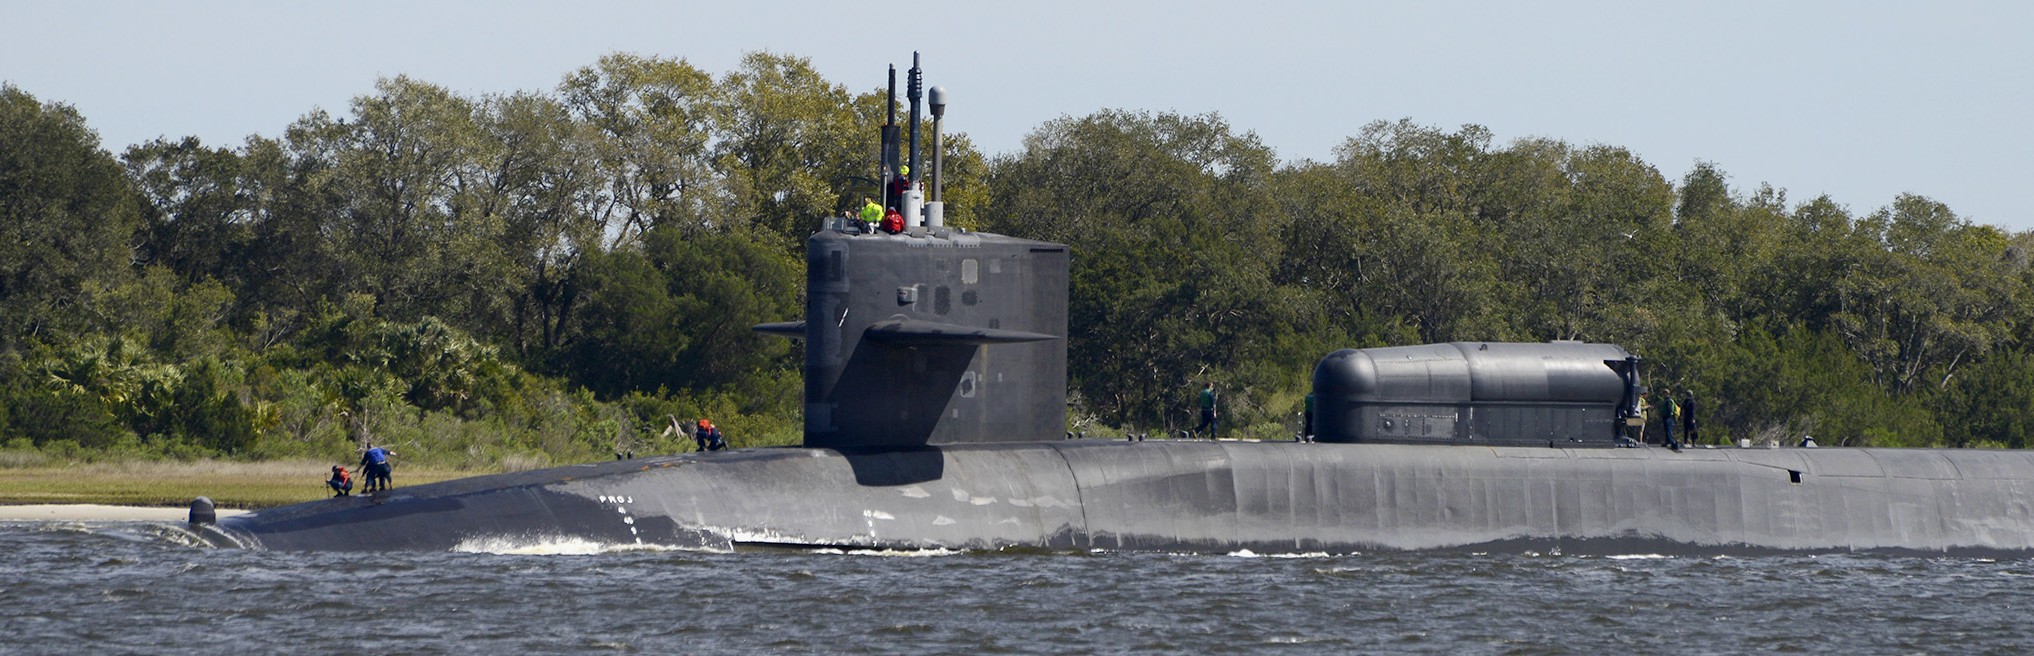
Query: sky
[[1861, 101]]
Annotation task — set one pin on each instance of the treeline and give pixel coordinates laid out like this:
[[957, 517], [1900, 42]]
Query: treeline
[[1199, 256], [537, 276], [543, 277]]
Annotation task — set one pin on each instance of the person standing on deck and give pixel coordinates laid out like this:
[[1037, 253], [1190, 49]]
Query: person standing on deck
[[1688, 417], [900, 185], [1668, 415], [375, 468], [1208, 414]]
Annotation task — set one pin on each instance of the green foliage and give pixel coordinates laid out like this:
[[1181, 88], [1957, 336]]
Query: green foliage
[[785, 139], [1990, 403], [544, 277], [195, 214], [41, 413], [1937, 294], [1779, 385], [66, 212], [677, 315], [1175, 253], [645, 122]]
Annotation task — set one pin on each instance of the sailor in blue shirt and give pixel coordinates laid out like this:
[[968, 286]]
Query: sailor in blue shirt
[[374, 463]]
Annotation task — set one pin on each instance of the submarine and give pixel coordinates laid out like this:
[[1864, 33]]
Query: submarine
[[934, 419]]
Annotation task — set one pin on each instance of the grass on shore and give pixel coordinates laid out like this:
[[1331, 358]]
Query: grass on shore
[[229, 484]]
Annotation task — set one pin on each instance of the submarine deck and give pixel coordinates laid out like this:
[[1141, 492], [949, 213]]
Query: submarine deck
[[1190, 496]]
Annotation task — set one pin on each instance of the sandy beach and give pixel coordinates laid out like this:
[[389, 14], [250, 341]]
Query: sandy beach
[[80, 512]]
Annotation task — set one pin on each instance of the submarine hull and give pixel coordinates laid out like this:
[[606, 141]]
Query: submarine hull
[[1182, 496]]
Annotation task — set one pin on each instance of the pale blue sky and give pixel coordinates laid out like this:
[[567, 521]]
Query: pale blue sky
[[1859, 100]]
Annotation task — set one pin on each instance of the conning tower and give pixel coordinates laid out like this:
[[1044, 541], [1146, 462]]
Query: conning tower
[[934, 335]]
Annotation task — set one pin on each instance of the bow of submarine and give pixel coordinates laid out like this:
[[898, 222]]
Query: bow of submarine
[[995, 496]]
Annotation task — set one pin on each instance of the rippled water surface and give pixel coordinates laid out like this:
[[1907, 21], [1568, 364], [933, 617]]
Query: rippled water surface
[[127, 588]]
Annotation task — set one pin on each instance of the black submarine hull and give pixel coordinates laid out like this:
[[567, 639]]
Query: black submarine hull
[[1206, 497]]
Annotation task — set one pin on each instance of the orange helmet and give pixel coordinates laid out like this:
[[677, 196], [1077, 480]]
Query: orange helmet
[[706, 423]]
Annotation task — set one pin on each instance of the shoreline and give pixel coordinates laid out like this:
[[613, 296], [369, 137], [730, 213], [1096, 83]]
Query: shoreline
[[94, 512], [246, 485]]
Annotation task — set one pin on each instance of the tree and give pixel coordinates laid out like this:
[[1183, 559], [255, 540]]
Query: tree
[[535, 173], [1431, 266], [1175, 236], [1726, 244], [677, 314], [401, 235], [1329, 249], [67, 213], [1939, 294], [1784, 382], [1990, 404], [290, 263], [650, 125], [195, 217], [787, 142], [1599, 246]]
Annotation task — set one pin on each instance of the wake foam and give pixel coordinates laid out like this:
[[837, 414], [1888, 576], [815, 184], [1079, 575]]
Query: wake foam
[[889, 553], [550, 546], [1246, 553]]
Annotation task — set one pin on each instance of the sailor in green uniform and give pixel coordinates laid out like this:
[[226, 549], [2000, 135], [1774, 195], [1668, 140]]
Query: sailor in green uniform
[[1207, 411], [1669, 413]]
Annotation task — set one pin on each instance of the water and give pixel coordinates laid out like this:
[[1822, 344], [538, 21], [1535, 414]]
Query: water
[[127, 588]]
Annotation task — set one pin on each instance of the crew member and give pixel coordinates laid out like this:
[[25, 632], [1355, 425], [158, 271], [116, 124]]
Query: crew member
[[375, 467], [1208, 414], [716, 441], [1307, 420], [341, 481], [871, 213], [1636, 425], [708, 436], [1688, 418], [893, 222], [901, 183], [1668, 414]]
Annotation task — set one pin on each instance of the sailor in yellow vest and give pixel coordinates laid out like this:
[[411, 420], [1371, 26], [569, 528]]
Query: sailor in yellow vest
[[871, 213]]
